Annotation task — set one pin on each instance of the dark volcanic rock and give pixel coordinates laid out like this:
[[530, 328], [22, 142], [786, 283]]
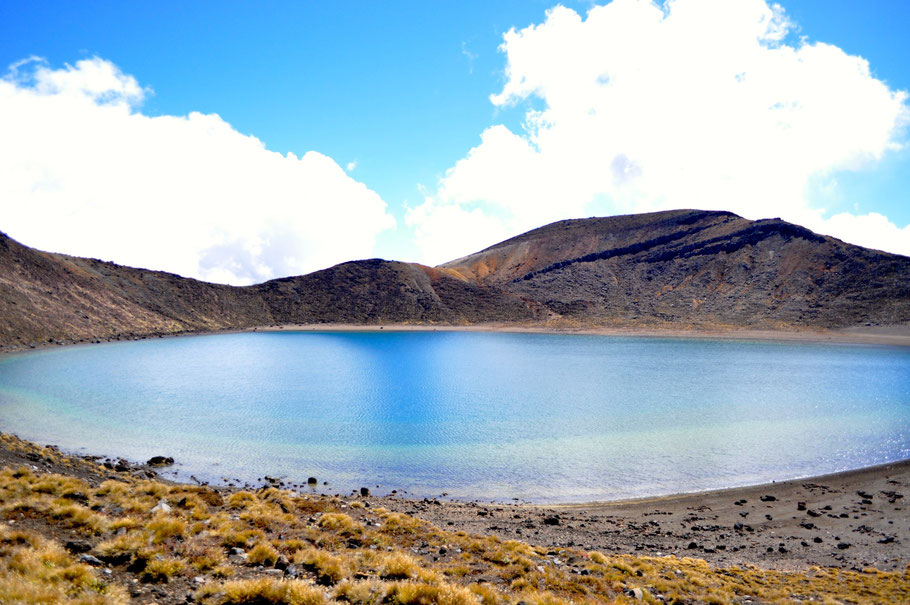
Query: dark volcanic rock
[[160, 461]]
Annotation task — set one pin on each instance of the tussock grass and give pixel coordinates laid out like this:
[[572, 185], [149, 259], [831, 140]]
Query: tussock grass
[[337, 556], [36, 570], [261, 592]]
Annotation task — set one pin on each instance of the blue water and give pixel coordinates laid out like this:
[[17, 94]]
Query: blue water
[[540, 417]]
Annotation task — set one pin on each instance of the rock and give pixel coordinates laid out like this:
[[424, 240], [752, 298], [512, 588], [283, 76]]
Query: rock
[[738, 526], [161, 507], [77, 546], [274, 572], [90, 560], [160, 461], [122, 466], [800, 506], [767, 498], [551, 520], [292, 571], [692, 545], [886, 540], [843, 545], [236, 552], [364, 491], [813, 513], [817, 540], [312, 481], [282, 563], [636, 593]]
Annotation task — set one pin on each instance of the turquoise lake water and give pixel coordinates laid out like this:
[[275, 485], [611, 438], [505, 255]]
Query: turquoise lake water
[[540, 417]]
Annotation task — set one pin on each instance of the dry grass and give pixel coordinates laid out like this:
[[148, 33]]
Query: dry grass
[[337, 551], [262, 591], [36, 570]]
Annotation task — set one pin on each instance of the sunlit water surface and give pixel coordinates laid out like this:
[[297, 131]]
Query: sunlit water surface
[[539, 417]]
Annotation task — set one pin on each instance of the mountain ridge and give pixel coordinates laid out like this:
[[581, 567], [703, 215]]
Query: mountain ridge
[[680, 268]]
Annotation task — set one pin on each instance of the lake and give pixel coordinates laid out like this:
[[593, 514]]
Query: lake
[[492, 416]]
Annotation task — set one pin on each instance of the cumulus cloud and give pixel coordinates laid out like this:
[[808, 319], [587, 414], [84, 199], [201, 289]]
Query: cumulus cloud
[[693, 103], [84, 171]]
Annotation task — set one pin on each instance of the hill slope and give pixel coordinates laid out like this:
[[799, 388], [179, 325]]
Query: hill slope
[[696, 268], [686, 268]]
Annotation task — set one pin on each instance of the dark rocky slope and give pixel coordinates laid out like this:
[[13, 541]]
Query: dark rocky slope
[[685, 268], [696, 268]]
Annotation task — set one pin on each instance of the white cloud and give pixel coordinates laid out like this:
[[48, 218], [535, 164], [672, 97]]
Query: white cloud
[[697, 103], [871, 230], [83, 171], [351, 165]]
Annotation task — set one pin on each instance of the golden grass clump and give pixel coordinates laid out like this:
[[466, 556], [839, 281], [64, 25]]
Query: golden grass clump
[[263, 591], [398, 565], [263, 554], [78, 517], [163, 526], [162, 570], [242, 499], [339, 522], [205, 558], [241, 539], [328, 568], [419, 593], [399, 524]]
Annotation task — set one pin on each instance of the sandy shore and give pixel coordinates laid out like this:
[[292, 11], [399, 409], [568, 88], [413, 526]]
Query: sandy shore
[[898, 335], [854, 519]]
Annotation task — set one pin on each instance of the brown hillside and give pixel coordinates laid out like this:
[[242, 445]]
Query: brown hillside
[[685, 268]]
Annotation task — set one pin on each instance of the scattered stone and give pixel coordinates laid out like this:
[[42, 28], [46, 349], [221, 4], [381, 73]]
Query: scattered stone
[[817, 540], [551, 520], [77, 546], [636, 593], [767, 498], [282, 563], [160, 461], [692, 545], [312, 481], [813, 513], [90, 560], [364, 491], [843, 545], [162, 507]]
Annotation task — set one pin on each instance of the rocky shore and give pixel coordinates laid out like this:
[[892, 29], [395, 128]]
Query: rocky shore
[[849, 520]]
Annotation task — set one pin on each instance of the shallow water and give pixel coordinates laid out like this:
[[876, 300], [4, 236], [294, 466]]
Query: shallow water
[[540, 417]]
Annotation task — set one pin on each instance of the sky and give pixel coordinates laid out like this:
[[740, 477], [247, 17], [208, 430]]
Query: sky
[[239, 142]]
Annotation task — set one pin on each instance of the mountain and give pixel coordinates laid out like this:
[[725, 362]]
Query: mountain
[[681, 268]]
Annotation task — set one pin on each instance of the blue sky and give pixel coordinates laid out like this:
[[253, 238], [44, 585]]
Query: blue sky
[[396, 93]]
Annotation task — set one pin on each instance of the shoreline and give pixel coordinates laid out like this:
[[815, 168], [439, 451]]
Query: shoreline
[[891, 336], [849, 519], [898, 335], [122, 532]]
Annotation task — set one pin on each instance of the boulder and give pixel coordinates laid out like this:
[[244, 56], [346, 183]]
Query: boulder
[[160, 461]]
